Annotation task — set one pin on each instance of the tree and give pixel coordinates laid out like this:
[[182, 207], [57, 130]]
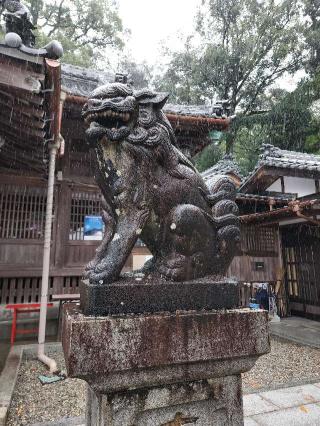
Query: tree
[[139, 74], [211, 154], [85, 28], [180, 77], [293, 123], [311, 10], [245, 46]]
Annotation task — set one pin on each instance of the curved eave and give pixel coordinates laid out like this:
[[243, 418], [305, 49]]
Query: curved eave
[[176, 120], [209, 122]]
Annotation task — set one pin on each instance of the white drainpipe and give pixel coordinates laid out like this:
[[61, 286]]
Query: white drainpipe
[[53, 149], [51, 363]]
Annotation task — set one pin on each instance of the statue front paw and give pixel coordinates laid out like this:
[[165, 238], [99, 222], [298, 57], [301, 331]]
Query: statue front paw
[[173, 268], [172, 274]]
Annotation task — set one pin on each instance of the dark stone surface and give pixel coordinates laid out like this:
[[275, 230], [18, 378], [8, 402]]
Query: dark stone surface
[[202, 403], [132, 296], [166, 368], [153, 192], [119, 352], [18, 20]]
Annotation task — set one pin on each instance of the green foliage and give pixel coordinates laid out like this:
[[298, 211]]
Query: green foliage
[[293, 123], [240, 48], [85, 28], [311, 10], [139, 74], [247, 146], [210, 155], [244, 47], [180, 78]]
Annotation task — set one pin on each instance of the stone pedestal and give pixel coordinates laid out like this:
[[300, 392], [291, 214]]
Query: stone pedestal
[[165, 369], [135, 296]]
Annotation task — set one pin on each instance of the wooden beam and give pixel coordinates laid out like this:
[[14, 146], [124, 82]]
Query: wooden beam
[[21, 108], [19, 55], [208, 122], [13, 172], [16, 119], [53, 99], [20, 79], [21, 96], [23, 180], [21, 132]]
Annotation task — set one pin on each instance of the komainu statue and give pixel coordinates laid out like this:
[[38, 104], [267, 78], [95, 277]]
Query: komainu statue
[[18, 20], [153, 192]]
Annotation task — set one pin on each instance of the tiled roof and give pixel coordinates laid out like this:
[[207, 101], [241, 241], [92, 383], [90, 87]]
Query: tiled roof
[[272, 156], [214, 111], [78, 81], [225, 166]]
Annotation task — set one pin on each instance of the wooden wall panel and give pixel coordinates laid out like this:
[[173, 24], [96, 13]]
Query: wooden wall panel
[[79, 253], [242, 268], [21, 254]]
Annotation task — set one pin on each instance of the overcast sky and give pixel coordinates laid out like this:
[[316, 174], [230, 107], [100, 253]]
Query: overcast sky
[[152, 21]]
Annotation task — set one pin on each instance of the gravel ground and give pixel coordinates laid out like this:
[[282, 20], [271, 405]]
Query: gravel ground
[[286, 364], [32, 402]]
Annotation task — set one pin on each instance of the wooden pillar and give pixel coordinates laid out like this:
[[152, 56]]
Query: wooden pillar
[[62, 223]]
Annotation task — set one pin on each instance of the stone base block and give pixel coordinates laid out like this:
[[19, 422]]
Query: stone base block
[[132, 296], [200, 403], [164, 369]]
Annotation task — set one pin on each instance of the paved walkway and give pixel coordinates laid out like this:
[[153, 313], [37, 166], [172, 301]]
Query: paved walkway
[[298, 330], [295, 406]]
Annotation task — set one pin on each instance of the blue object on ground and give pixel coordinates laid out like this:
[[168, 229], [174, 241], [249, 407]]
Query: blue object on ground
[[254, 306], [47, 380]]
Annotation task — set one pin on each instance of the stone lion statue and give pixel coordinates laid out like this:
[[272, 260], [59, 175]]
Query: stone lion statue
[[153, 192]]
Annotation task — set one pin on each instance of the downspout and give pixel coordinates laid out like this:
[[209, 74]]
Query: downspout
[[56, 105], [51, 363]]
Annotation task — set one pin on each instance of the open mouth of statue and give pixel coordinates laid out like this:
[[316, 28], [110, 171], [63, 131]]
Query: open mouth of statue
[[109, 118]]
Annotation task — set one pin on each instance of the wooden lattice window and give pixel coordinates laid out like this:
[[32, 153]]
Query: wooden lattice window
[[83, 204], [22, 211], [259, 240], [292, 276], [28, 289]]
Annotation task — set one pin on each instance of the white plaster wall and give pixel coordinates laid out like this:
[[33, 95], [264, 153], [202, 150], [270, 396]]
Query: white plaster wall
[[295, 185], [276, 186], [139, 260]]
